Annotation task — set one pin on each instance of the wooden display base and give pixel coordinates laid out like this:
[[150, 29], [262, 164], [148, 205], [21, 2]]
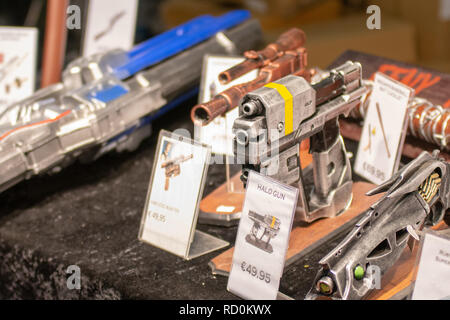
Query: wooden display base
[[397, 282], [223, 207], [307, 237]]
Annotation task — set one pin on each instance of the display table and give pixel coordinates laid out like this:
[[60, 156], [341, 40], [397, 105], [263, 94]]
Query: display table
[[89, 214]]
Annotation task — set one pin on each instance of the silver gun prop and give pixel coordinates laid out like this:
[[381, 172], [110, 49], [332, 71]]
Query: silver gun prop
[[263, 230], [101, 106], [417, 195], [275, 119]]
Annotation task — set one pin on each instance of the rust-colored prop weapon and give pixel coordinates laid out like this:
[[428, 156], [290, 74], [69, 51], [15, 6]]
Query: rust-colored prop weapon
[[286, 56]]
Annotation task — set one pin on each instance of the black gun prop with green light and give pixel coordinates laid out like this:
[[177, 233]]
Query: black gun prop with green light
[[416, 196]]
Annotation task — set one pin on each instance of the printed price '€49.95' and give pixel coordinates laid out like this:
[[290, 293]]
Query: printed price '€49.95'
[[253, 271], [158, 217]]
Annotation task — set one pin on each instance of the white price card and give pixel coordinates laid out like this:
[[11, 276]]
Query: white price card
[[433, 275], [218, 134], [384, 130], [111, 24], [176, 186], [18, 51], [263, 238], [444, 10]]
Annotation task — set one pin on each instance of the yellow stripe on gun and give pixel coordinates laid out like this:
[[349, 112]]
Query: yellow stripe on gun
[[288, 106], [273, 222]]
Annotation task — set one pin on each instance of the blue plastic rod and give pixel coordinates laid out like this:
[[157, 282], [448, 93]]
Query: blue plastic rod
[[178, 39]]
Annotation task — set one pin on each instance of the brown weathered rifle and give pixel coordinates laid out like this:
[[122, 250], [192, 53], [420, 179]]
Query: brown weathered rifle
[[286, 56]]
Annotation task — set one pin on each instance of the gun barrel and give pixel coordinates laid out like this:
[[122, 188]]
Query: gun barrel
[[204, 113], [343, 79], [293, 62], [256, 216], [289, 40]]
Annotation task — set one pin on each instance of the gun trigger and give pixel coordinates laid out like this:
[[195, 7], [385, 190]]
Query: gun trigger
[[412, 232]]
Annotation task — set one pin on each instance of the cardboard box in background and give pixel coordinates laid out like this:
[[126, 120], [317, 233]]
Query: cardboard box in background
[[328, 32], [274, 15], [414, 31], [326, 41], [431, 19]]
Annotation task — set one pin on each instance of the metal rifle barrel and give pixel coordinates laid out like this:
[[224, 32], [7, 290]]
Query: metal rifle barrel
[[183, 71], [290, 40]]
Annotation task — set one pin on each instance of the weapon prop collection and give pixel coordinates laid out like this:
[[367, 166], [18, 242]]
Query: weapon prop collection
[[108, 101], [274, 119]]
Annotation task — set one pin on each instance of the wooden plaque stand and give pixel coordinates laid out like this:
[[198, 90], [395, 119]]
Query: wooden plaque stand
[[223, 207]]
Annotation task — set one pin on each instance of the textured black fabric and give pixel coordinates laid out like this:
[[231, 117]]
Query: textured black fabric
[[89, 214]]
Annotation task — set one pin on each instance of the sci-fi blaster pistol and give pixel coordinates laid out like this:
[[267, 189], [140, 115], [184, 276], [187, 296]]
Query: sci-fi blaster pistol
[[418, 195], [276, 118]]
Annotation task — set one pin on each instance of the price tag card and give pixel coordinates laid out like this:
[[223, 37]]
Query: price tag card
[[262, 239], [176, 186], [218, 134], [18, 50], [433, 275], [384, 130], [111, 24]]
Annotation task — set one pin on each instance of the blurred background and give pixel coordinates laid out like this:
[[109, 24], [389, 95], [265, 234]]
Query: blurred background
[[414, 31]]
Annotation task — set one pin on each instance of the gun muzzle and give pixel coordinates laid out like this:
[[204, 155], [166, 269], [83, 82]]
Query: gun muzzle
[[204, 113], [289, 40]]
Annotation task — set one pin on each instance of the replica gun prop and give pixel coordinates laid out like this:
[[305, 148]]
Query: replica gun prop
[[276, 118], [416, 196], [107, 101]]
